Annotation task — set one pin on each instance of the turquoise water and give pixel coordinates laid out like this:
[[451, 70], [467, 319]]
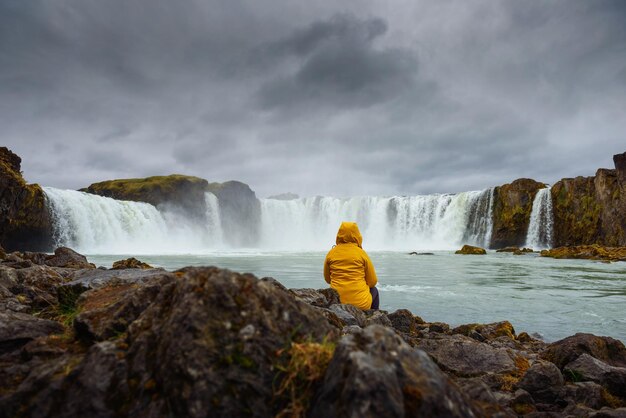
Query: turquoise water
[[553, 298]]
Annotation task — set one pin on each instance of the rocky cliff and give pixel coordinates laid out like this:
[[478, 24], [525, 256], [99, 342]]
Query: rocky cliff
[[24, 218], [591, 210], [240, 209], [240, 212], [185, 192], [511, 212]]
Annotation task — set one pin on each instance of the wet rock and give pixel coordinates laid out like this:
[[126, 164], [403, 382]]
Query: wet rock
[[377, 317], [348, 314], [470, 249], [438, 327], [465, 357], [66, 257], [39, 285], [272, 281], [589, 394], [543, 380], [573, 410], [95, 278], [487, 331], [90, 384], [3, 254], [609, 413], [607, 349], [130, 263], [375, 373], [209, 342], [515, 250], [416, 253], [587, 368], [106, 312], [8, 277], [17, 329], [332, 296], [481, 394], [40, 391], [36, 258], [404, 321], [587, 252], [5, 293], [311, 296], [522, 402], [332, 318]]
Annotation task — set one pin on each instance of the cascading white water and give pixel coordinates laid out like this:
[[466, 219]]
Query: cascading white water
[[213, 219], [96, 224], [539, 234], [413, 222]]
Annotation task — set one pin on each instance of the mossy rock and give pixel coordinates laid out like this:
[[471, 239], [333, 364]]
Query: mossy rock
[[154, 190], [511, 212], [470, 249], [587, 252], [25, 222], [130, 263]]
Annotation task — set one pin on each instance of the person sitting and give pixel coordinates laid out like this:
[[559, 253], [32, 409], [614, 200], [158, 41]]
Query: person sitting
[[349, 270]]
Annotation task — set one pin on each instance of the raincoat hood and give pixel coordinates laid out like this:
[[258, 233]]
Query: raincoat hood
[[349, 233]]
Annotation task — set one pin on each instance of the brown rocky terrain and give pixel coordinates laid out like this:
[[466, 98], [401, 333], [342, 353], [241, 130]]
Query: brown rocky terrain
[[587, 252], [471, 250], [591, 210], [511, 212], [80, 341], [24, 219]]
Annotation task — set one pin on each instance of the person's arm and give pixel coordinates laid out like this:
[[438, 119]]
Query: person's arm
[[327, 270], [370, 273]]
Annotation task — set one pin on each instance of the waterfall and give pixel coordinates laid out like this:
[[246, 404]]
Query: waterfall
[[539, 234], [480, 223], [439, 221], [96, 224]]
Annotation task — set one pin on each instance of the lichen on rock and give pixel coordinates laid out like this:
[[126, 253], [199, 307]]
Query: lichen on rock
[[471, 250]]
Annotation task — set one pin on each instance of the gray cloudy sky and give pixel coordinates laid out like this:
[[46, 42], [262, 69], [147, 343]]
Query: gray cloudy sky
[[329, 97]]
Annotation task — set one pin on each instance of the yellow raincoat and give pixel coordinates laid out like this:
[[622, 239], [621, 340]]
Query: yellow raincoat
[[348, 269]]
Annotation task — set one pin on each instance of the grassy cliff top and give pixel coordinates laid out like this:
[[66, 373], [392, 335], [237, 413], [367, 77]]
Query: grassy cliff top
[[140, 185], [154, 190]]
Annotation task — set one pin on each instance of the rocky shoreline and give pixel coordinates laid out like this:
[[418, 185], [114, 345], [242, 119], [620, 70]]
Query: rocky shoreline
[[76, 340]]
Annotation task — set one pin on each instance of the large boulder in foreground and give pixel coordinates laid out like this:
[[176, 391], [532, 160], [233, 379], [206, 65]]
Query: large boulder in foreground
[[25, 222], [374, 373], [197, 342], [17, 329], [565, 351]]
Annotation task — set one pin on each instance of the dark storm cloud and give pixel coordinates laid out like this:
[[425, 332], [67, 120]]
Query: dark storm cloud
[[351, 97], [337, 63]]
